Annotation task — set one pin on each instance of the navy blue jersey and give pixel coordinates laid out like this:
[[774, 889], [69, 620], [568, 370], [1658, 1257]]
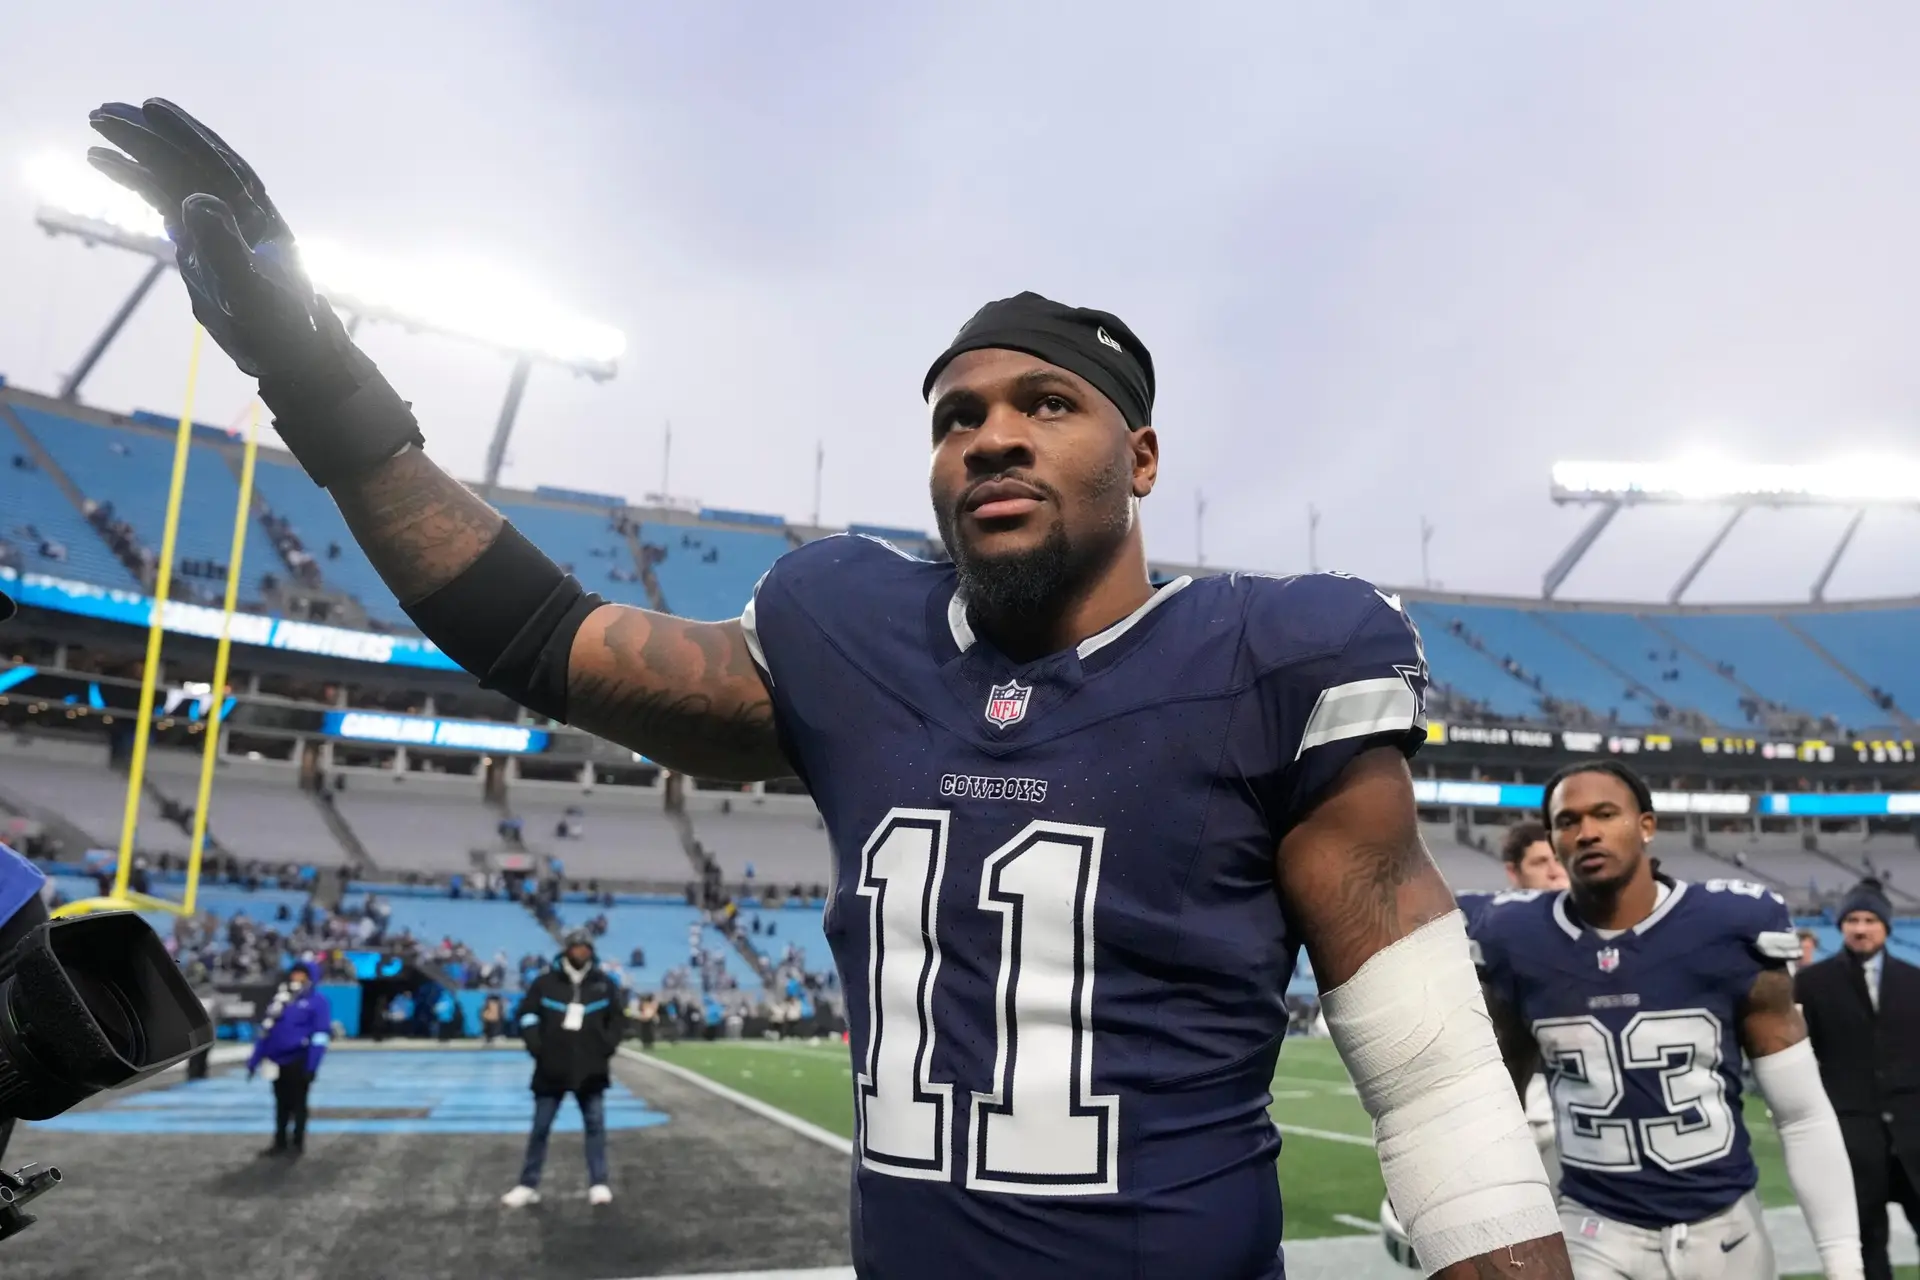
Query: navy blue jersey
[[1473, 904], [1639, 1037], [1053, 906]]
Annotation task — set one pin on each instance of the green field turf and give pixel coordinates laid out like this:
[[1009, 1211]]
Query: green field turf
[[1327, 1165], [1326, 1161]]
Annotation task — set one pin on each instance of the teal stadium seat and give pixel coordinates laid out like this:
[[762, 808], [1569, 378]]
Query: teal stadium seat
[[587, 541], [659, 929], [286, 489], [1773, 661], [1875, 644], [1631, 645], [714, 591], [1566, 672], [133, 477], [32, 500], [1458, 667]]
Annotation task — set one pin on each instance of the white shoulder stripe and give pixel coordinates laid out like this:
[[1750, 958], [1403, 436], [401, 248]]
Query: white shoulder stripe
[[751, 631], [1358, 708]]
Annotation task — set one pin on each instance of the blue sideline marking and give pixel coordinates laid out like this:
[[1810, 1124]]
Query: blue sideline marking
[[460, 1092]]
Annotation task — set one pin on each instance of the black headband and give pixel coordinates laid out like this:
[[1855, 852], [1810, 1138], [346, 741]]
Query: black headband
[[1097, 345]]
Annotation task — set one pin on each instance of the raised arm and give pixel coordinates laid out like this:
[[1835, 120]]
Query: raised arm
[[682, 693], [1775, 1038], [1407, 1015]]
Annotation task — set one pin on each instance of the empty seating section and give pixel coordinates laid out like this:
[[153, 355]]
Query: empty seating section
[[586, 542], [262, 906], [1469, 674], [1564, 671], [88, 794], [253, 814], [616, 837], [1625, 641], [709, 573], [801, 925], [412, 826], [288, 492], [130, 468], [1774, 662], [659, 930], [1466, 870], [38, 513], [1875, 644], [784, 846], [485, 926], [1781, 858]]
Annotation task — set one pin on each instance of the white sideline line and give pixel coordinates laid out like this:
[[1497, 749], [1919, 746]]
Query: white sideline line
[[1356, 1222], [787, 1120]]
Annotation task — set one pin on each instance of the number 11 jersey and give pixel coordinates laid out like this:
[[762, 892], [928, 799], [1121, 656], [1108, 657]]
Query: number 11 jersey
[[1639, 1039], [1053, 904]]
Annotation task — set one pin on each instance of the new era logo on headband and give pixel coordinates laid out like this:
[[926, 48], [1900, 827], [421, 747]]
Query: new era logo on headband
[[1102, 334]]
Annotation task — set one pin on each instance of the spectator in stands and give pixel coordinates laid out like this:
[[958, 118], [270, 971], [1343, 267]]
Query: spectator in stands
[[294, 1038], [493, 1019], [1862, 1008], [1809, 945], [572, 1018]]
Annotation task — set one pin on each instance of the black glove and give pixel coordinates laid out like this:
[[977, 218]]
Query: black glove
[[338, 416]]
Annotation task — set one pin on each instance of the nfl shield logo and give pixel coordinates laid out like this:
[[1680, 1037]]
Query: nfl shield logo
[[1007, 703], [1609, 959]]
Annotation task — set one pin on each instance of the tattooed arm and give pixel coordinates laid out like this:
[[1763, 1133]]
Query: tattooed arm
[[685, 694], [1356, 879]]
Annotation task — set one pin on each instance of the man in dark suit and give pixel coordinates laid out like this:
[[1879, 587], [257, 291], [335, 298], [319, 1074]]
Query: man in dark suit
[[1863, 1015]]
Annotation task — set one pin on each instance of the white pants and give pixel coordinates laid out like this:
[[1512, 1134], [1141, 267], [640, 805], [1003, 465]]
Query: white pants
[[1731, 1245]]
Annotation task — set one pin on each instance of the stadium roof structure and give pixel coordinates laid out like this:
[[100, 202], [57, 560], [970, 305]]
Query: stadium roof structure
[[1855, 483], [473, 302]]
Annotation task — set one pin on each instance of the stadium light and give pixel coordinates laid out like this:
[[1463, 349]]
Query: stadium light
[[474, 301], [1843, 482], [477, 301], [1858, 483]]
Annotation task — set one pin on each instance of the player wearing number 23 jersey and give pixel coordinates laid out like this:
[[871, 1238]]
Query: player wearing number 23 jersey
[[1639, 1038], [1639, 996], [1054, 907]]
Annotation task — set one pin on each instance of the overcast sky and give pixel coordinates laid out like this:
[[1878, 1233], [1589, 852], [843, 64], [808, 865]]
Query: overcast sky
[[1392, 259]]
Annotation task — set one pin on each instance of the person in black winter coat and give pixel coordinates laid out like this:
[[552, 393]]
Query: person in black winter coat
[[571, 1018], [1863, 1016]]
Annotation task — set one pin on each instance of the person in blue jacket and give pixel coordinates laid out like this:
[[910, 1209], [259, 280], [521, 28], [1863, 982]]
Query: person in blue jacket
[[294, 1037]]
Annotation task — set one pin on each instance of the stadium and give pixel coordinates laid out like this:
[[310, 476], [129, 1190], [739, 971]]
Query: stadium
[[212, 706], [360, 779]]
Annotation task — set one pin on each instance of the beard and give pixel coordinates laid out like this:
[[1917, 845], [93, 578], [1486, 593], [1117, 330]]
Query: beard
[[1025, 584], [1024, 587]]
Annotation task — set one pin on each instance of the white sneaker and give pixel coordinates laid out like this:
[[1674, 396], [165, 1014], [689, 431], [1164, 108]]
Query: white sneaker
[[600, 1193], [520, 1197]]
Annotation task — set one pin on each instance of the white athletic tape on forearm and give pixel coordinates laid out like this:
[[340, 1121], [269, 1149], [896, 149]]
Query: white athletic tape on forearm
[[1816, 1155], [1454, 1146]]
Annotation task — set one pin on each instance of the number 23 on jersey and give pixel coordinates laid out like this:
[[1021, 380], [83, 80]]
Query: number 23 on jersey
[[1039, 1129]]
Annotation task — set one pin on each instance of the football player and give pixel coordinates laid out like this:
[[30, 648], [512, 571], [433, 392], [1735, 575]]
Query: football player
[[1637, 994], [1081, 824]]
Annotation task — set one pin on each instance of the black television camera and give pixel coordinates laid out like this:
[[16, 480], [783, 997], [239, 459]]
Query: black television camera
[[88, 1003]]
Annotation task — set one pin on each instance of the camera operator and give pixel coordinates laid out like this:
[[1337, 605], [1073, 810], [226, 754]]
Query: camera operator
[[86, 1004], [21, 904]]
